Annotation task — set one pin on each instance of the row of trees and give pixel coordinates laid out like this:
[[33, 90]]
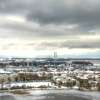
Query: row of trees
[[67, 83], [27, 77], [81, 83], [5, 80], [85, 84], [30, 77], [23, 77]]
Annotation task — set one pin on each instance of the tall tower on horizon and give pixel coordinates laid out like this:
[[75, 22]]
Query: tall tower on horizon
[[55, 55]]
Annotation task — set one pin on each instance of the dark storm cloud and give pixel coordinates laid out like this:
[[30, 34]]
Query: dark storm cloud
[[14, 6], [61, 11], [83, 12]]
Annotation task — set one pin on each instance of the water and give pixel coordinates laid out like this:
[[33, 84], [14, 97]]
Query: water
[[53, 95]]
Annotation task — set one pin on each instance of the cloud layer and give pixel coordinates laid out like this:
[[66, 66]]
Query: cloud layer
[[48, 24]]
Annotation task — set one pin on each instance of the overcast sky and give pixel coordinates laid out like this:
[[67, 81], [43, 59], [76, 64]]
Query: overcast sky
[[31, 28]]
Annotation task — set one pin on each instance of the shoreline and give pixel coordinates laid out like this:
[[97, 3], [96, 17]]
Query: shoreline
[[27, 91]]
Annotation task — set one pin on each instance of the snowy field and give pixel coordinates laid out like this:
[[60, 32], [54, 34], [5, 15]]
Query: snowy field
[[32, 84]]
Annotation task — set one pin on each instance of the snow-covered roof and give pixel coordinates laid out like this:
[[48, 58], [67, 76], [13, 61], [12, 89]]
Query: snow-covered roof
[[4, 72]]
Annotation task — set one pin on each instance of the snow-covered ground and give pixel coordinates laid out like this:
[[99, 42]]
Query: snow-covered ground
[[32, 84]]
